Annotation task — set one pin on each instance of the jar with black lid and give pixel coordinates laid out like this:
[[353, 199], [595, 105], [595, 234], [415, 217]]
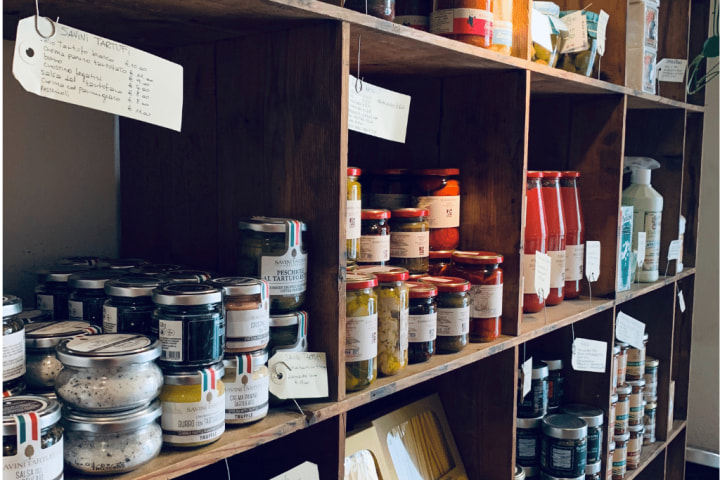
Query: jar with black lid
[[422, 321], [535, 403], [87, 295], [528, 441], [129, 306], [190, 326], [594, 418], [390, 189], [375, 237], [564, 446], [556, 384], [246, 307], [453, 313], [53, 291], [288, 332], [13, 344], [361, 329], [410, 239]]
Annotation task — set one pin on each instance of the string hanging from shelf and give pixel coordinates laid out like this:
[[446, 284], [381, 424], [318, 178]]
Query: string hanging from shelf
[[711, 49]]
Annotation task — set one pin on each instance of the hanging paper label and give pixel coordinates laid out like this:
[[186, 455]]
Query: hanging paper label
[[629, 330], [577, 39], [671, 70], [304, 471], [377, 111], [77, 67], [589, 355], [592, 260], [641, 242], [674, 250], [527, 376], [543, 264], [541, 30], [298, 375], [601, 31], [681, 301]]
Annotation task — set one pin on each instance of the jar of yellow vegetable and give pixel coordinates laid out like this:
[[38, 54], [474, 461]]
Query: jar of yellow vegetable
[[361, 329]]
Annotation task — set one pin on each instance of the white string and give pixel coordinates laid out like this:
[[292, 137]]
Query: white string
[[227, 466]]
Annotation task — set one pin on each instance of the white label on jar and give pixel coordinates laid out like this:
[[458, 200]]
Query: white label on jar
[[422, 328], [462, 20], [194, 422], [45, 302], [561, 458], [444, 211], [361, 335], [248, 326], [170, 333], [247, 397], [409, 244], [41, 464], [75, 310], [557, 268], [529, 273], [109, 343], [649, 222], [527, 448], [374, 248], [287, 274], [404, 314], [574, 255], [452, 322], [110, 319], [13, 349], [486, 301], [353, 212]]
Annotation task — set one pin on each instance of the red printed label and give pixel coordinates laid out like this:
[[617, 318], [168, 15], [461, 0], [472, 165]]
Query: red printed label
[[464, 21]]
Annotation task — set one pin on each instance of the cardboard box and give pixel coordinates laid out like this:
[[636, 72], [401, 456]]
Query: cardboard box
[[365, 440], [640, 66], [642, 24], [625, 256]]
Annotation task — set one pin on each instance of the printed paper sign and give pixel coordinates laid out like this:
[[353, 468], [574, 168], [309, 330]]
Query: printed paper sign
[[543, 264], [629, 330], [304, 471], [577, 39], [298, 375], [589, 355], [378, 112], [674, 250], [527, 376], [641, 242], [681, 301], [601, 31], [592, 260], [671, 70], [77, 67]]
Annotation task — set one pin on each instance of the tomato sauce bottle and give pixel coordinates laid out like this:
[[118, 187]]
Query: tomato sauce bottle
[[574, 233], [535, 240], [438, 190], [555, 235]]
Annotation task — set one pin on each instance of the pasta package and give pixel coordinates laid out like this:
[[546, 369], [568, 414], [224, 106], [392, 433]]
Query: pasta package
[[365, 459]]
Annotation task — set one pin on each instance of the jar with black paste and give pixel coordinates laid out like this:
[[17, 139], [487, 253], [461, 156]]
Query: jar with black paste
[[453, 313], [410, 239], [288, 332], [556, 384], [13, 344], [129, 306], [375, 237], [87, 295], [53, 291], [594, 418], [564, 446], [422, 321], [528, 440], [535, 403]]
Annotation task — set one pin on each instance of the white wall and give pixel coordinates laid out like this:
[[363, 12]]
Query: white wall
[[59, 183]]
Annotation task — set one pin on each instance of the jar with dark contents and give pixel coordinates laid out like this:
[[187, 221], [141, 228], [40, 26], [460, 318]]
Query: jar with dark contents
[[289, 332], [414, 13], [384, 9], [361, 329], [453, 313], [556, 384], [482, 270], [422, 322], [440, 262], [13, 344], [410, 239], [246, 307], [535, 403], [390, 189], [129, 306], [468, 21], [438, 191], [87, 295], [375, 238], [528, 440], [619, 464], [594, 418], [622, 410], [52, 293], [564, 446], [352, 215]]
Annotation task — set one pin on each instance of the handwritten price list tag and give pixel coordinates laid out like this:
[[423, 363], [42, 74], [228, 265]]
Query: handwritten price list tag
[[298, 375], [377, 111], [589, 355], [630, 330]]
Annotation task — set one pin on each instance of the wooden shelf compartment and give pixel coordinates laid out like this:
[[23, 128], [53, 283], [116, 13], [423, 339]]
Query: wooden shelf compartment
[[640, 289], [682, 339], [675, 456], [558, 316], [690, 206]]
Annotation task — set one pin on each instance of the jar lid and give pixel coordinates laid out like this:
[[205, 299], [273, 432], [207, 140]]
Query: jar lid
[[593, 468], [449, 284], [519, 473], [12, 305], [132, 286], [243, 286], [186, 294], [534, 174], [46, 409], [155, 268], [258, 359], [287, 319], [564, 426], [357, 281], [614, 398], [417, 277], [273, 225], [79, 261], [435, 254], [108, 350], [570, 174], [353, 172], [593, 416], [438, 172], [624, 389], [410, 213], [120, 263], [636, 383], [422, 290], [375, 214], [77, 421], [33, 315], [651, 362], [186, 276], [551, 174], [636, 428], [385, 274], [554, 364], [60, 274], [93, 279], [539, 370], [529, 423], [49, 334], [477, 258], [623, 437], [194, 377]]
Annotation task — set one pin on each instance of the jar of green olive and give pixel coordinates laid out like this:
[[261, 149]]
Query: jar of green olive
[[13, 345], [352, 214], [453, 313], [375, 237], [422, 321], [410, 239], [361, 329]]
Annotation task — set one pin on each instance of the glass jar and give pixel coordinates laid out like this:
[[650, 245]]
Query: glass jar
[[247, 381], [636, 361], [438, 191], [546, 50], [634, 446], [273, 249], [609, 462], [468, 21], [18, 387], [636, 397], [519, 473], [564, 445], [124, 264], [361, 331], [375, 238], [612, 414], [53, 292], [288, 332], [185, 276], [453, 313], [129, 306], [528, 440], [33, 315], [41, 362], [13, 344], [108, 373], [593, 471], [622, 410], [502, 36], [393, 312], [556, 241], [87, 295], [189, 324], [578, 60], [440, 262], [649, 420], [390, 189], [410, 239], [535, 240], [246, 307], [619, 464], [574, 233], [352, 215], [535, 403], [79, 261], [32, 438], [556, 384], [384, 9], [483, 271], [154, 269], [112, 443], [594, 419], [617, 351], [622, 362], [193, 407], [652, 365], [414, 13], [422, 321]]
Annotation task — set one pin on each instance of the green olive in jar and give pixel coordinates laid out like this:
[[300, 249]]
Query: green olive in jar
[[410, 239], [361, 328]]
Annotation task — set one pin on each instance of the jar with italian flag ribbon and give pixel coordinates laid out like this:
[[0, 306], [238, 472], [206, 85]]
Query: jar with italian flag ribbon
[[246, 387], [13, 351], [246, 307]]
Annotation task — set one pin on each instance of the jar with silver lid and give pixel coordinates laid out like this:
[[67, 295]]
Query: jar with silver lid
[[556, 384], [129, 306], [564, 446], [53, 291], [124, 264], [652, 365], [528, 440], [519, 473], [622, 410], [154, 269], [619, 468], [246, 387], [112, 443], [622, 362], [185, 276], [612, 414], [610, 457], [634, 446], [535, 403], [87, 295], [594, 418], [636, 412], [79, 261], [288, 332], [13, 343], [246, 307], [649, 421], [636, 361], [593, 471], [109, 373]]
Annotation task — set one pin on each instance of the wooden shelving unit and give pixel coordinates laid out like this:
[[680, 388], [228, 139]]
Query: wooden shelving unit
[[265, 133]]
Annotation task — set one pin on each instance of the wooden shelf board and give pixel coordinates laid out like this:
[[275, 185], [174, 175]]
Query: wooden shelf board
[[687, 272], [558, 316], [677, 427], [652, 451], [639, 289]]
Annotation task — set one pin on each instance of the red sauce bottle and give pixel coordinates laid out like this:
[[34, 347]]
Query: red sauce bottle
[[574, 233], [556, 236], [535, 240]]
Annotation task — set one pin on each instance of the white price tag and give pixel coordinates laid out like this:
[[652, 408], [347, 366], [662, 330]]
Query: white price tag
[[543, 264], [304, 471], [77, 67], [378, 112], [577, 39], [674, 250], [527, 376], [630, 330], [541, 30], [671, 70], [589, 355], [601, 31], [681, 301], [641, 243], [592, 260], [298, 375]]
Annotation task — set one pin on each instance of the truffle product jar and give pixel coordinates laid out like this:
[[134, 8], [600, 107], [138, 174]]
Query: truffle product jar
[[129, 306], [193, 407], [375, 237], [112, 443], [636, 413], [384, 9], [32, 438], [273, 249], [390, 189], [352, 214], [636, 361], [536, 231], [79, 261], [594, 418], [634, 446], [652, 366], [438, 191], [622, 410], [246, 307], [109, 373], [440, 262], [564, 446], [593, 471], [622, 363], [611, 414], [87, 295], [52, 293], [556, 240], [288, 332], [246, 387], [13, 343], [619, 464], [528, 440], [535, 402], [649, 421], [191, 328], [120, 264], [414, 13], [422, 321], [410, 239], [556, 384], [468, 21], [361, 331], [453, 313]]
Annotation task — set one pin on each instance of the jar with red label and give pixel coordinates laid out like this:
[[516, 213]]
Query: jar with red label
[[469, 21], [535, 240], [482, 270], [440, 261], [422, 321], [438, 190], [574, 233], [375, 237], [453, 313], [414, 13], [555, 235], [410, 239], [389, 189]]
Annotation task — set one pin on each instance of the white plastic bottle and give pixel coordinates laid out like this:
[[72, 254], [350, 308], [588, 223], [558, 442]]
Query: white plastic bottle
[[647, 206]]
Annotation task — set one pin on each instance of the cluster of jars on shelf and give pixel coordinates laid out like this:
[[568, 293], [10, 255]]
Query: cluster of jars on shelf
[[554, 226]]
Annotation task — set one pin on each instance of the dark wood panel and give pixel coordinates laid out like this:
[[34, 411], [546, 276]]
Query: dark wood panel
[[699, 20], [650, 471], [691, 188], [673, 28], [675, 462], [682, 342]]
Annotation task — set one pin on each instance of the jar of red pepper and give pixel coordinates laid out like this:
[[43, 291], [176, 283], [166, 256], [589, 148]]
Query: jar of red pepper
[[535, 240], [574, 233], [440, 261], [422, 321], [374, 237], [555, 235], [482, 270], [438, 190], [389, 189]]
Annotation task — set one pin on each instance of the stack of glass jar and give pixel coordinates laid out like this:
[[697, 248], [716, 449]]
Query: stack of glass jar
[[13, 371]]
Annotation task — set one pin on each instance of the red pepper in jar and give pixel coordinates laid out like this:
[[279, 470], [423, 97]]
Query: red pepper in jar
[[574, 233], [438, 190], [535, 241], [555, 236], [440, 261]]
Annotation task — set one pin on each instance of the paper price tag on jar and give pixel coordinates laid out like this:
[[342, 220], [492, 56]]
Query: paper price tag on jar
[[589, 355], [671, 70], [681, 301], [304, 471], [592, 260], [298, 375], [630, 330], [543, 264], [674, 250], [377, 111], [641, 242]]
